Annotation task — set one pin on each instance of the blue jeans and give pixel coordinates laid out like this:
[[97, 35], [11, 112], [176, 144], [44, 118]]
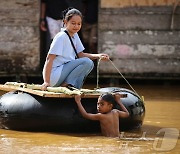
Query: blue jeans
[[75, 71]]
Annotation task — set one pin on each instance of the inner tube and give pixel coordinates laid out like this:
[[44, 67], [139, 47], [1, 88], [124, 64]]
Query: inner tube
[[24, 111]]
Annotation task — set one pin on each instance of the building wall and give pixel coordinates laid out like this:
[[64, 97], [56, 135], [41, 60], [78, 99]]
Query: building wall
[[19, 36], [142, 37]]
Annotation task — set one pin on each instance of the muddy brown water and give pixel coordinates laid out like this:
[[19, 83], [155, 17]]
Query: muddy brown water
[[159, 132]]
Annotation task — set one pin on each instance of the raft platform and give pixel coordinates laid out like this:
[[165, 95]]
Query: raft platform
[[8, 88], [26, 107]]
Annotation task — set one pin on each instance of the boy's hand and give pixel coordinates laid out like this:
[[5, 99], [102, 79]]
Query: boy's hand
[[117, 96], [77, 98]]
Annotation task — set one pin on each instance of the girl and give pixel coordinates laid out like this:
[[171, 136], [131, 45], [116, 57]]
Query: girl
[[61, 67]]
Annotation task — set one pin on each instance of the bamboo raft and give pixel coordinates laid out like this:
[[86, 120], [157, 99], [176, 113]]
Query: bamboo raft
[[56, 92], [27, 107]]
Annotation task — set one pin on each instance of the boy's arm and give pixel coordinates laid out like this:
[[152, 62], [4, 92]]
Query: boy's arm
[[124, 113], [83, 111]]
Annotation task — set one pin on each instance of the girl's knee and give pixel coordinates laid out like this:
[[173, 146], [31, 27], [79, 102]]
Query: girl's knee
[[88, 62]]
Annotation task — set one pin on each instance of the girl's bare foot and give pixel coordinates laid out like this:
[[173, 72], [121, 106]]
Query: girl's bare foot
[[64, 84]]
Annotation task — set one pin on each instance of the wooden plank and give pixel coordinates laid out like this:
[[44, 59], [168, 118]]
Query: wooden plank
[[19, 34], [138, 22], [142, 66], [131, 3], [19, 13], [151, 18], [147, 37], [44, 93], [150, 51], [17, 4], [21, 63]]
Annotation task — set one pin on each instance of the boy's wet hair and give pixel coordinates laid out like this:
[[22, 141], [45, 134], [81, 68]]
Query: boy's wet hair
[[108, 98], [70, 12]]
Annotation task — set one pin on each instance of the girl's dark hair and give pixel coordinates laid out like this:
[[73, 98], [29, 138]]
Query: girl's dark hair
[[108, 98], [70, 12]]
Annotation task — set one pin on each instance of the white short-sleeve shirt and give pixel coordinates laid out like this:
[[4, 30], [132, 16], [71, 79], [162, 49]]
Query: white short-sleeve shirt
[[62, 48]]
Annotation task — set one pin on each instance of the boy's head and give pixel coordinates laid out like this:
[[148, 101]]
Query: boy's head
[[105, 103]]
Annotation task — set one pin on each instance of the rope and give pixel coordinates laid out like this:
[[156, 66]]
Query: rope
[[124, 78], [118, 72], [173, 12], [97, 85]]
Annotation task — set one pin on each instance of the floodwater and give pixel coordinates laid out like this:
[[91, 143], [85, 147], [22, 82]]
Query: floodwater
[[159, 132]]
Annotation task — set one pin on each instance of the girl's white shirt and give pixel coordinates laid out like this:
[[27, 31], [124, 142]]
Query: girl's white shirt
[[62, 48]]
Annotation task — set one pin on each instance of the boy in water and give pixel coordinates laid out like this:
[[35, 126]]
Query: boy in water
[[108, 117]]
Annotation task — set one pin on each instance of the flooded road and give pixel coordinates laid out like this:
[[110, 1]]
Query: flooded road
[[159, 132]]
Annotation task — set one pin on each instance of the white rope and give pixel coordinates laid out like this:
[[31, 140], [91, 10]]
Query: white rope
[[118, 72], [97, 85], [173, 12]]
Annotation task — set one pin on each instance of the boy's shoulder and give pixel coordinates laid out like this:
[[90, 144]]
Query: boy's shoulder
[[115, 111]]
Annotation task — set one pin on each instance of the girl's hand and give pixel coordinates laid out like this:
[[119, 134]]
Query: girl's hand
[[104, 56], [77, 99], [45, 85]]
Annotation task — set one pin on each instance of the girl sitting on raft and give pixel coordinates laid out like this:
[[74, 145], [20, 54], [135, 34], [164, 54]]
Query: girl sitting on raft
[[66, 65]]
